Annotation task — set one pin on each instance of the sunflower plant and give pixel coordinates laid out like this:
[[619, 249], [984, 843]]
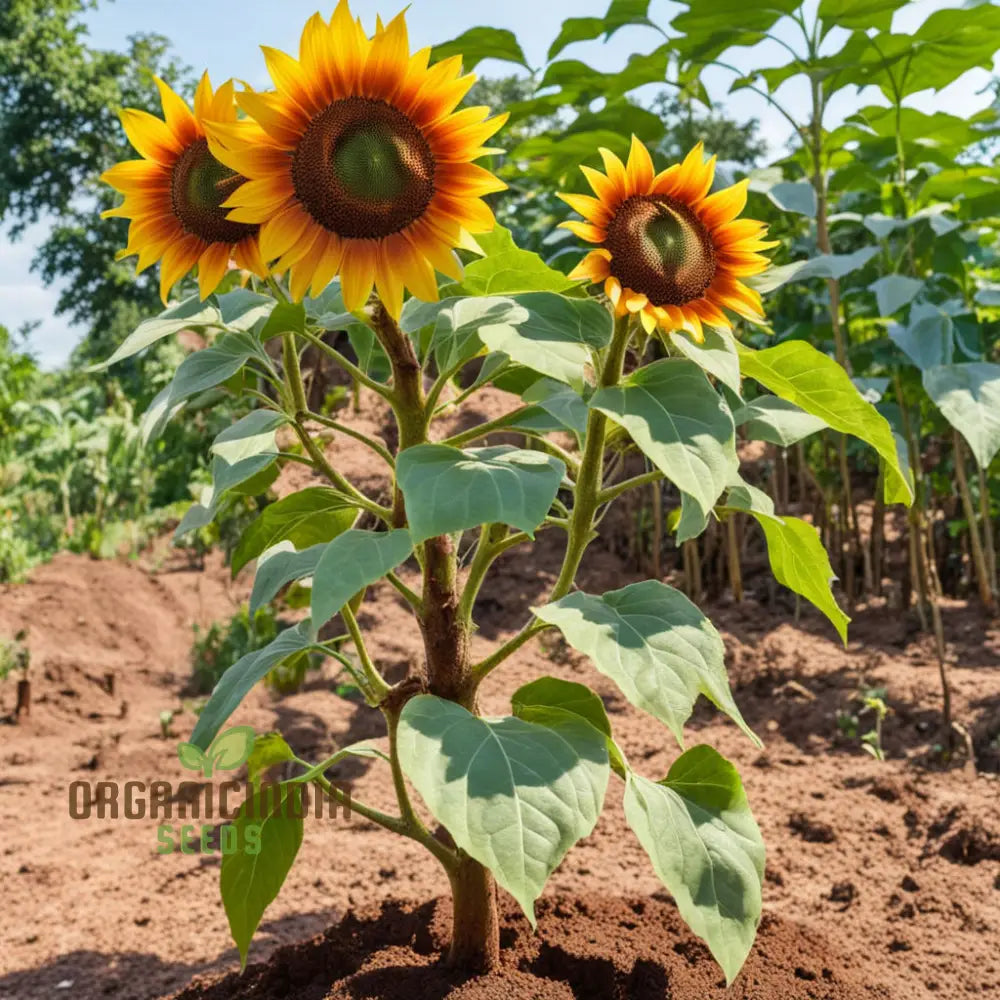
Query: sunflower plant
[[349, 199]]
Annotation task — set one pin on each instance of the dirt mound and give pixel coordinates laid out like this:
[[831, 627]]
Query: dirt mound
[[586, 948]]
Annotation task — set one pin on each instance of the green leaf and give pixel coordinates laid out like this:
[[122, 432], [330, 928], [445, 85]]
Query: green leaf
[[563, 403], [823, 266], [481, 43], [313, 515], [231, 748], [268, 749], [928, 339], [556, 336], [252, 435], [715, 355], [191, 313], [449, 490], [350, 563], [582, 29], [894, 291], [286, 317], [269, 833], [457, 322], [679, 422], [707, 30], [551, 698], [214, 365], [242, 309], [698, 830], [575, 29], [798, 559], [507, 268], [242, 477], [237, 681], [969, 397], [794, 196], [773, 419], [278, 566], [513, 794], [654, 644], [796, 371], [863, 14]]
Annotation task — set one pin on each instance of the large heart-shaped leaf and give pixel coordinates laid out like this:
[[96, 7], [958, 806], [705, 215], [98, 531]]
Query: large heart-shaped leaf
[[556, 338], [716, 354], [514, 795], [680, 423], [796, 371], [654, 644], [771, 418], [447, 489], [698, 830], [351, 562], [969, 397]]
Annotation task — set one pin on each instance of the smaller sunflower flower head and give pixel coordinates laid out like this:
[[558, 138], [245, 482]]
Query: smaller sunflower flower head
[[667, 249], [359, 164], [174, 194]]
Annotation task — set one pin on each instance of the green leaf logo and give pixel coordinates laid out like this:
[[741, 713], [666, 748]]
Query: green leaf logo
[[226, 753]]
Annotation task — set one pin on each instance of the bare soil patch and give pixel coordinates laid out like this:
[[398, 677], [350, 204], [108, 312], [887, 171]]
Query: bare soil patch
[[883, 879]]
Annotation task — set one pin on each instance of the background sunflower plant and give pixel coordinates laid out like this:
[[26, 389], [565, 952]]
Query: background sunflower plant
[[350, 195]]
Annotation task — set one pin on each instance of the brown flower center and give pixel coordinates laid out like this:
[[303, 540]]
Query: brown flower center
[[363, 170], [199, 185], [660, 248]]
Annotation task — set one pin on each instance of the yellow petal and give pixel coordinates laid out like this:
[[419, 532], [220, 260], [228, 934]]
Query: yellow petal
[[640, 167], [150, 136]]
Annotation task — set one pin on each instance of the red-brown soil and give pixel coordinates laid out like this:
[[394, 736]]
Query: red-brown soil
[[883, 879]]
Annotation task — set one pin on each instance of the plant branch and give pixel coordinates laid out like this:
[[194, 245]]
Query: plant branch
[[377, 687], [376, 446]]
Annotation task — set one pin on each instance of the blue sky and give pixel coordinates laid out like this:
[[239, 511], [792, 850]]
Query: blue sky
[[223, 36]]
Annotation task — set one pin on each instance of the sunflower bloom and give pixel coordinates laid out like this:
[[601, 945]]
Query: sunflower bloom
[[667, 249], [359, 164], [173, 195]]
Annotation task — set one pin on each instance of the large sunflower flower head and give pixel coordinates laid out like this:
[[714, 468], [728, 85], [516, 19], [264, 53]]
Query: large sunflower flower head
[[359, 164], [667, 249], [173, 195]]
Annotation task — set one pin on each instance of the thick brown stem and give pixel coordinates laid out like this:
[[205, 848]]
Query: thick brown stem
[[446, 637], [475, 934]]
